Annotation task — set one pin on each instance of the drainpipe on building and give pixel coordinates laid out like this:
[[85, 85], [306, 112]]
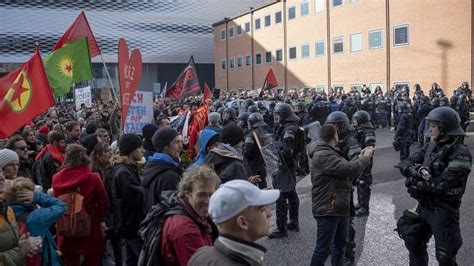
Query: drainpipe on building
[[285, 50], [227, 54], [328, 41], [251, 49], [387, 33]]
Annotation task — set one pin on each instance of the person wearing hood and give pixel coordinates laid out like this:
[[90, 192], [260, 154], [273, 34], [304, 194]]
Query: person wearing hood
[[147, 132], [208, 140], [49, 159], [162, 171], [76, 175], [226, 159]]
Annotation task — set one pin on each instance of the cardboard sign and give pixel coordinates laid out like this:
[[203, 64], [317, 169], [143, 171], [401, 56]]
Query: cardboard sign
[[83, 95], [140, 112]]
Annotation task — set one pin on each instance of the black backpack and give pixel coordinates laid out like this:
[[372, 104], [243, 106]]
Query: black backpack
[[151, 228]]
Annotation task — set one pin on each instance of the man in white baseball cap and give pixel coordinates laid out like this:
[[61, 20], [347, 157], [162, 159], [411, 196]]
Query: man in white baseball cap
[[240, 211]]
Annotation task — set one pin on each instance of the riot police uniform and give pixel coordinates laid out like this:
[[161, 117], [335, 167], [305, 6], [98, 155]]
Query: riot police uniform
[[285, 178], [365, 136], [229, 116], [349, 149], [436, 178], [403, 133]]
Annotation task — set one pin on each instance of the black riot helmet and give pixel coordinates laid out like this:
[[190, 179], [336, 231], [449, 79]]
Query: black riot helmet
[[448, 121], [363, 119], [253, 109], [425, 99], [405, 107], [255, 120], [229, 113], [340, 120], [217, 105], [243, 116], [285, 111]]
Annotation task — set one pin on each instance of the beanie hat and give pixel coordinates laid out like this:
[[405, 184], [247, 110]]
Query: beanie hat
[[163, 137], [89, 142], [232, 135], [148, 131], [128, 143], [213, 140], [7, 156], [43, 129]]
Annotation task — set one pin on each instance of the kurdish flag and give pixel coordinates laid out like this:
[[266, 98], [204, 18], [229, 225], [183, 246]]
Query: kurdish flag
[[67, 65]]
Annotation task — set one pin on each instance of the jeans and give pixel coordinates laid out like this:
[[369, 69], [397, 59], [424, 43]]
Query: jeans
[[133, 248], [331, 231]]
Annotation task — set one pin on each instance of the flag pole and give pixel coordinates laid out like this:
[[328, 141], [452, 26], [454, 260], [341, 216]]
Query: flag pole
[[110, 80]]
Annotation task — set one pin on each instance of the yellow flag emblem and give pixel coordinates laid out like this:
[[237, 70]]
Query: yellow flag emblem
[[19, 94]]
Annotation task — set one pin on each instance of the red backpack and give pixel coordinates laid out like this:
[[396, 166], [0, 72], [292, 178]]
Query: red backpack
[[75, 222]]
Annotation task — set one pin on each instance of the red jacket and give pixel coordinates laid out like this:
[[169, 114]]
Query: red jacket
[[95, 202], [183, 235]]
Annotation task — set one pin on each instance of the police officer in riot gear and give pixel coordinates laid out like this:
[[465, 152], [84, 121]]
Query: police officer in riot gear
[[287, 136], [436, 178], [350, 149], [403, 133], [229, 117], [365, 136], [242, 122]]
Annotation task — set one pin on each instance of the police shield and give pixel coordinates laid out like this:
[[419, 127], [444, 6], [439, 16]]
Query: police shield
[[312, 131], [266, 145]]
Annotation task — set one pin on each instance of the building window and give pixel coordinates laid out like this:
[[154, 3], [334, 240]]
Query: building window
[[222, 34], [291, 13], [268, 20], [268, 57], [247, 27], [339, 87], [320, 88], [336, 3], [305, 51], [231, 32], [231, 63], [277, 17], [257, 24], [356, 42], [373, 86], [338, 45], [279, 55], [248, 60], [239, 30], [319, 5], [239, 61], [358, 86], [292, 52], [223, 64], [375, 39], [320, 49], [401, 35], [400, 85], [258, 58], [304, 8]]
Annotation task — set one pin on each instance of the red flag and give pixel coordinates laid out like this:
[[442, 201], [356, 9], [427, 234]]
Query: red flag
[[24, 93], [198, 123], [173, 92], [270, 83], [80, 28], [207, 92]]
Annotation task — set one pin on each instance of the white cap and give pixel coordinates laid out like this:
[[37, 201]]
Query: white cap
[[236, 195]]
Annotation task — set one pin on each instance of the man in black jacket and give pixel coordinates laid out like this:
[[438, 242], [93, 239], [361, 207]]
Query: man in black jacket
[[331, 176], [162, 171]]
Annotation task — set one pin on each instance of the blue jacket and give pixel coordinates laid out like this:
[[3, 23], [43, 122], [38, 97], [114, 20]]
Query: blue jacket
[[40, 220], [206, 135]]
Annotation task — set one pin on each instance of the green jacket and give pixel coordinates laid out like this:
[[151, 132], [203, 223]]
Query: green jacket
[[10, 252]]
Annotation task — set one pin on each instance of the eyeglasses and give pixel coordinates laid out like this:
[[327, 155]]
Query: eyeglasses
[[23, 148]]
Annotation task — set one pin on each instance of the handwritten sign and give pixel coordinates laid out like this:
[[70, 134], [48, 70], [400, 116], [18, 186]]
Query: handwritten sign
[[140, 112], [83, 96]]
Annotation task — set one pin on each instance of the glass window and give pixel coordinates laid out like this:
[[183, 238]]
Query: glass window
[[239, 30], [222, 34], [339, 87], [400, 85], [338, 45], [248, 60], [268, 57], [239, 61], [320, 50], [320, 88], [336, 3], [268, 20], [304, 8], [292, 52], [319, 5], [305, 51], [356, 42], [231, 63], [257, 24], [291, 13], [279, 55], [258, 58], [231, 32], [223, 64], [401, 35], [247, 27], [375, 39], [278, 17]]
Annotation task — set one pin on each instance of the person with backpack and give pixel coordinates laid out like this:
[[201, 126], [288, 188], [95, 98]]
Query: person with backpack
[[80, 231], [36, 213], [180, 224], [127, 193]]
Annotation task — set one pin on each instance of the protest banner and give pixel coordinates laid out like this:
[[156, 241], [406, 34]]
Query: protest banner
[[140, 112], [83, 95]]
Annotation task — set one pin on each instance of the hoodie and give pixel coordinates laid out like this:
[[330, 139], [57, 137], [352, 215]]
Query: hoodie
[[206, 136], [228, 163], [161, 173]]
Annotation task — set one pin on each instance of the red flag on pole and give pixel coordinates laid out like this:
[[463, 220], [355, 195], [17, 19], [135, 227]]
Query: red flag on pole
[[207, 92], [24, 93], [189, 80], [270, 83], [198, 123], [80, 28]]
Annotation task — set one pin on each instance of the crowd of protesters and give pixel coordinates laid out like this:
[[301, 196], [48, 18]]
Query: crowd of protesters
[[134, 184]]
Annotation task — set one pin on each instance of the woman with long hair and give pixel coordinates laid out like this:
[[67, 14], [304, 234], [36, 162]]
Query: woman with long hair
[[76, 175]]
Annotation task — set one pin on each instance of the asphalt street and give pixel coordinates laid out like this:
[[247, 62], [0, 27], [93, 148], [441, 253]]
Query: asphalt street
[[377, 242]]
